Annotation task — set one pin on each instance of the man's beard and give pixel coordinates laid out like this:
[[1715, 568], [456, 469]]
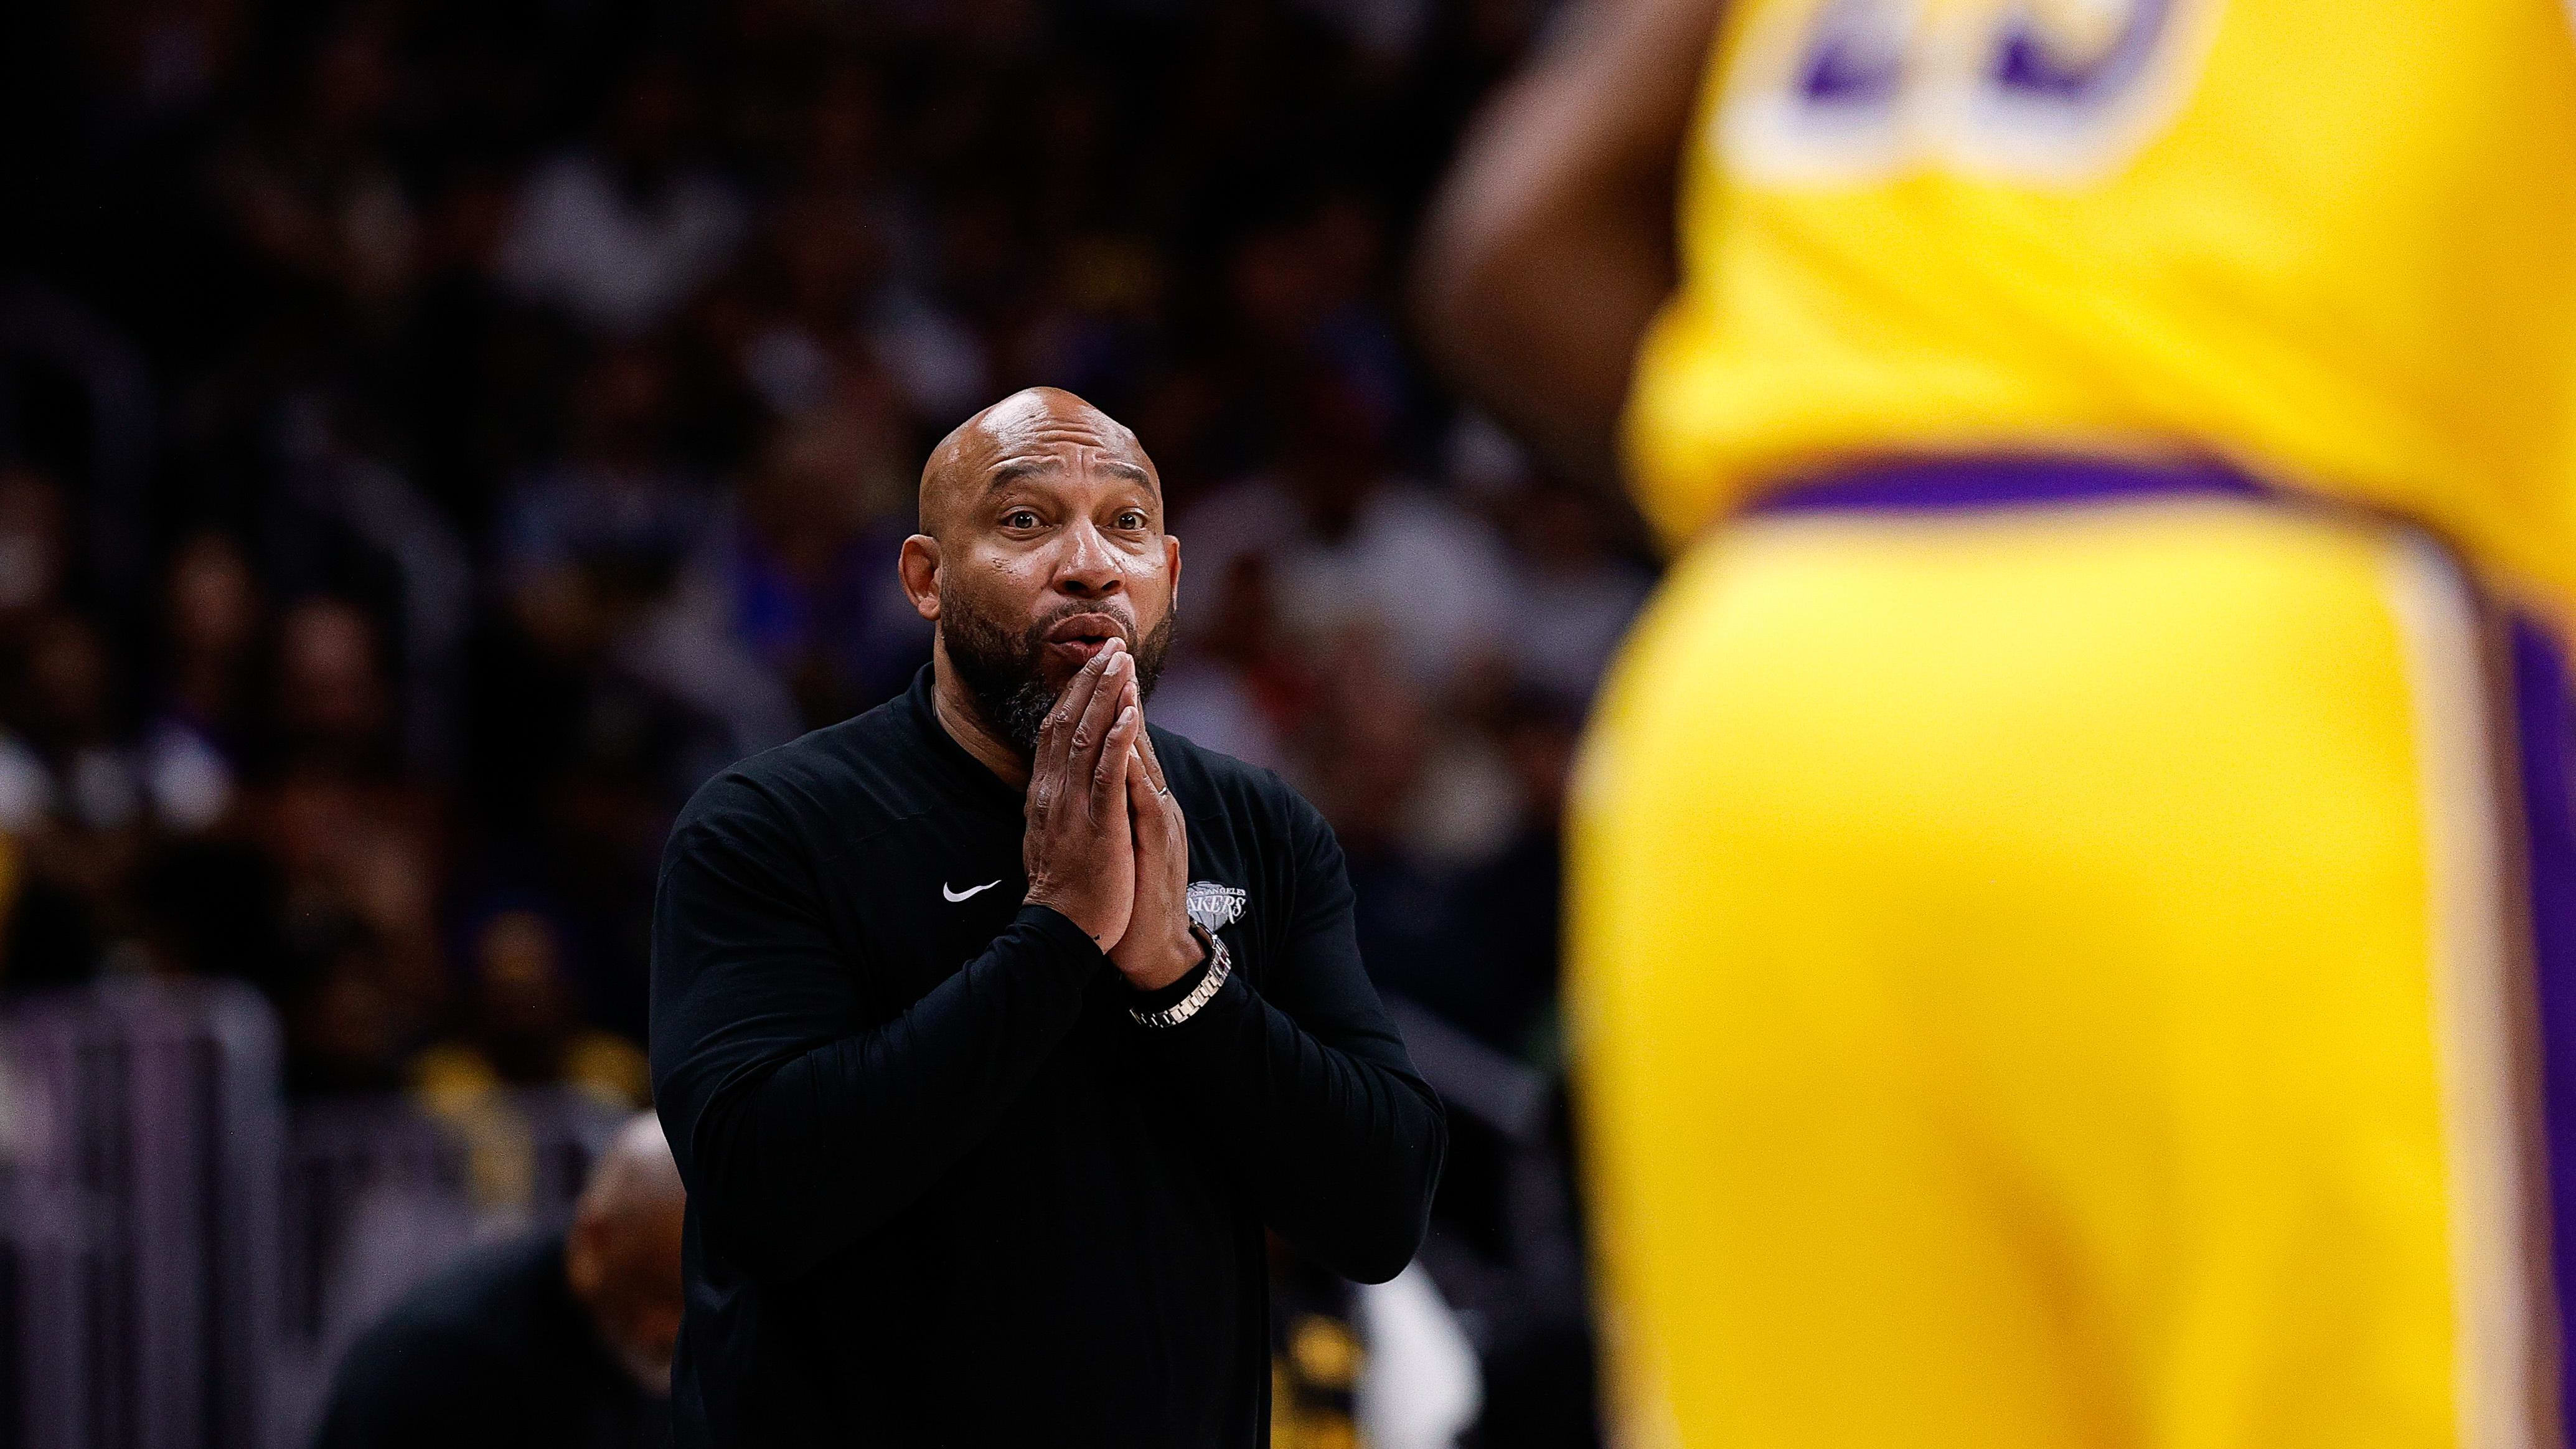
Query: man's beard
[[1005, 673]]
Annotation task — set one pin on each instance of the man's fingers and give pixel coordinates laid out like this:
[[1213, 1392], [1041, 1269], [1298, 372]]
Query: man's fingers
[[1153, 826], [1065, 736], [1063, 733], [1100, 711], [1140, 801], [1086, 700], [1153, 762], [1109, 774], [1161, 827], [1050, 748], [1175, 831]]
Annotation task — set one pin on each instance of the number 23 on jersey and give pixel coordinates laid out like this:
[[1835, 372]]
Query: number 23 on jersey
[[2041, 92]]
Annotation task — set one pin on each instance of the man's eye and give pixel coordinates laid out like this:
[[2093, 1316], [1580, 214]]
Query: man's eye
[[1131, 519], [1020, 518]]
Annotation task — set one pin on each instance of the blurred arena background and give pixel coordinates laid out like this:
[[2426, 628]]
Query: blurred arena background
[[435, 437]]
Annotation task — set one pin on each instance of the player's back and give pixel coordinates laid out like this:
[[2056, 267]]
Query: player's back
[[2331, 240], [2067, 947]]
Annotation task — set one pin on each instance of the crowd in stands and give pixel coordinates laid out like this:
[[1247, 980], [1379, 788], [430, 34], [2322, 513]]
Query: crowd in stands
[[439, 436], [436, 437]]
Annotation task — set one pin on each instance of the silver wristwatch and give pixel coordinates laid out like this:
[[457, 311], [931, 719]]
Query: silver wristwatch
[[1220, 964]]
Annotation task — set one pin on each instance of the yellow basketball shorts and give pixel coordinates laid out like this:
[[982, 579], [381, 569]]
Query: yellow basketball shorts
[[2061, 958]]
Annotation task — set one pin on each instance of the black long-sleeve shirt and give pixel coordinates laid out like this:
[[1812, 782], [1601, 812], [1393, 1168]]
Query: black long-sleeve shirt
[[943, 1190]]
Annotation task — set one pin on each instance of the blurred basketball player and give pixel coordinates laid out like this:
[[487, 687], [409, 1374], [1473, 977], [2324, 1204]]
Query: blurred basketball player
[[2073, 898]]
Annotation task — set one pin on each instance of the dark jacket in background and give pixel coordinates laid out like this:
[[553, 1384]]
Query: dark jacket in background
[[492, 1353], [942, 1189]]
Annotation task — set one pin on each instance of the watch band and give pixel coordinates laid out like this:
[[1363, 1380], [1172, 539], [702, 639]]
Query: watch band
[[1220, 964]]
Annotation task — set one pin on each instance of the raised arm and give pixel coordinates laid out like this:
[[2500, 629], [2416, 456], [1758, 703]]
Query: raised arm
[[1551, 245]]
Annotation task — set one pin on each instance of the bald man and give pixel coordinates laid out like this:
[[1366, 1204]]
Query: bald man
[[557, 1341], [993, 1027]]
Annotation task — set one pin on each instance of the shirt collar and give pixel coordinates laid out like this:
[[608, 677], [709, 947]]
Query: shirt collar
[[973, 777]]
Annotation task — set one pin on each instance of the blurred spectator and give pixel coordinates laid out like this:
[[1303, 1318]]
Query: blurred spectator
[[801, 576], [66, 791], [1303, 290], [334, 709], [619, 232], [387, 880], [344, 1033], [308, 186], [1577, 590], [518, 408], [1103, 329], [592, 550], [1347, 541], [69, 788], [357, 873], [1235, 685], [204, 724], [1397, 779], [347, 521], [617, 502], [522, 1025], [60, 764], [824, 261], [33, 545], [1483, 939], [556, 1341]]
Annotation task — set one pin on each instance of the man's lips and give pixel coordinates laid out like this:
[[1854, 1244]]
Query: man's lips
[[1084, 635]]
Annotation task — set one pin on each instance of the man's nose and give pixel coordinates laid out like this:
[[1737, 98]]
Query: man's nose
[[1089, 568]]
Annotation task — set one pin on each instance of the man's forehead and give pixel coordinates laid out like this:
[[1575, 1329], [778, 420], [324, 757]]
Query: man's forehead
[[1037, 431], [1033, 430], [1049, 459]]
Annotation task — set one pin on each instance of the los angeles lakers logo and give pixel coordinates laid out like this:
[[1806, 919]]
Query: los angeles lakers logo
[[1216, 906]]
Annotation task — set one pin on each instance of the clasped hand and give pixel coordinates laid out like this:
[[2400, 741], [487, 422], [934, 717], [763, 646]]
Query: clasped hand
[[1106, 844]]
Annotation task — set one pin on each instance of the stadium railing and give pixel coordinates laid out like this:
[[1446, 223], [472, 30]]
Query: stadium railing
[[184, 1255]]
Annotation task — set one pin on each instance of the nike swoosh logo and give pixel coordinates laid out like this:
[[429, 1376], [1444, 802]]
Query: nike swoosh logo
[[955, 896]]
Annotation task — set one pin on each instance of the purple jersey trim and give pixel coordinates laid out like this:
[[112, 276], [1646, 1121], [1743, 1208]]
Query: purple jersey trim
[[2542, 723], [1917, 485]]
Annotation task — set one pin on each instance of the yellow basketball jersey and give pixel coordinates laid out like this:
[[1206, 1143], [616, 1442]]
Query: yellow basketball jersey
[[2332, 240]]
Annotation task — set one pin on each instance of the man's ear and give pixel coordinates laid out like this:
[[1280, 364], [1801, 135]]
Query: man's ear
[[919, 565], [1172, 566]]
